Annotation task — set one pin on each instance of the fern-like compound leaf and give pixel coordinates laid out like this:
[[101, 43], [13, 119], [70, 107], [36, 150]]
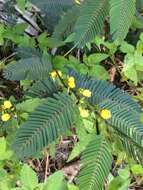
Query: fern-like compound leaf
[[96, 163], [102, 90], [66, 24], [139, 5], [52, 10], [132, 149], [45, 124], [91, 20], [31, 68], [48, 5], [121, 16], [125, 111], [43, 88]]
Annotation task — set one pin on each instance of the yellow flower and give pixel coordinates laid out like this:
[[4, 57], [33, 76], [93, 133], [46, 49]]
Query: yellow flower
[[5, 117], [86, 93], [7, 105], [71, 82], [105, 114], [77, 1], [55, 74], [83, 112]]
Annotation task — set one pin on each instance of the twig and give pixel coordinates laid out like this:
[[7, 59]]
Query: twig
[[47, 165], [70, 50], [27, 19]]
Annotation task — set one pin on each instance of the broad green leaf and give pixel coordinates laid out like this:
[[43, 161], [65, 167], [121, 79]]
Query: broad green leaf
[[97, 58], [122, 181], [59, 62], [89, 126], [28, 177], [29, 105], [21, 4], [119, 184], [139, 47], [133, 64], [99, 72], [137, 23], [127, 48], [25, 84], [72, 187], [137, 170], [131, 73], [4, 153], [43, 42], [141, 37], [54, 43], [129, 69], [56, 182], [124, 173]]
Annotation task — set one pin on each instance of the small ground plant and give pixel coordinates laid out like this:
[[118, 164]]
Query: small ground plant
[[65, 73]]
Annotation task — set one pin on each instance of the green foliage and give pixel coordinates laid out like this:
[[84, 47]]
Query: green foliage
[[104, 91], [4, 153], [133, 62], [21, 4], [49, 4], [28, 178], [82, 144], [56, 116], [16, 34], [95, 68], [90, 21], [56, 95], [2, 30], [60, 182], [30, 68], [121, 17], [139, 5], [29, 105], [137, 170], [66, 24], [87, 19], [43, 88], [52, 10], [45, 124], [96, 163], [125, 112], [122, 181], [133, 150]]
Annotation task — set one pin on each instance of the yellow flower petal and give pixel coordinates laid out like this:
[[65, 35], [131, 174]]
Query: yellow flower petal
[[5, 117], [54, 74], [86, 93], [71, 82], [59, 73], [7, 105], [77, 1], [105, 114], [83, 112]]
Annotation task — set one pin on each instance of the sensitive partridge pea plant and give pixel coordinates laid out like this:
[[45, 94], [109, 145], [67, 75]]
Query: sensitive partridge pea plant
[[69, 94], [70, 97]]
